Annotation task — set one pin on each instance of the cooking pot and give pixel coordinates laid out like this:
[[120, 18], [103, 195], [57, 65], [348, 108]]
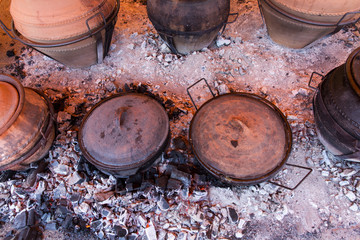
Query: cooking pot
[[188, 25], [124, 134], [337, 109], [75, 33], [241, 138], [296, 24], [26, 125]]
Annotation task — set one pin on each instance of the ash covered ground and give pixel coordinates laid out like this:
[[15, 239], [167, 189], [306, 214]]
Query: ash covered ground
[[64, 197]]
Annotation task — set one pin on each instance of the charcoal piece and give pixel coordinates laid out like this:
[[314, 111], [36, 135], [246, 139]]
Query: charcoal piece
[[61, 212], [180, 143], [174, 184], [51, 226], [163, 204], [66, 224], [185, 178], [10, 53], [96, 225], [150, 174], [161, 182], [120, 231], [5, 175], [177, 157], [233, 216], [20, 220], [31, 217], [200, 180]]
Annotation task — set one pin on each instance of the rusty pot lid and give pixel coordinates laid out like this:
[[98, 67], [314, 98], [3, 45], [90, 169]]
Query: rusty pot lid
[[124, 132], [353, 70], [11, 101], [241, 138]]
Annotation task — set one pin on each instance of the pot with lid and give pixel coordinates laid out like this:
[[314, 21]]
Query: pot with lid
[[124, 134], [26, 125], [188, 25], [75, 33], [297, 23], [337, 109], [240, 138]]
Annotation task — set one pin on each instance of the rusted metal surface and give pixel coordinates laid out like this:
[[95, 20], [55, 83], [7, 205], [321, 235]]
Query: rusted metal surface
[[337, 111], [124, 133], [240, 138], [30, 133]]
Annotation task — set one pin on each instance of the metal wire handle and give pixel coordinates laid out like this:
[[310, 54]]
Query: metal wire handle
[[191, 98], [293, 188], [311, 80]]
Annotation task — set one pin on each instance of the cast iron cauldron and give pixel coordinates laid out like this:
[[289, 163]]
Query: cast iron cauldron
[[188, 25], [337, 109]]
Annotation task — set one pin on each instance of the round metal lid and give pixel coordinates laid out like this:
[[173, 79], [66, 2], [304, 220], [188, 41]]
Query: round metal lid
[[11, 101], [124, 131], [240, 137]]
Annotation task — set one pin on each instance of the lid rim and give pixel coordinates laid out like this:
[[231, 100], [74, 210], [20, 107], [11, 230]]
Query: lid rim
[[21, 93], [355, 83]]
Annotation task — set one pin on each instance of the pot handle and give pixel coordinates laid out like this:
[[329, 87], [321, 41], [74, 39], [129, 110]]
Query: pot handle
[[188, 92], [311, 80], [295, 166], [229, 22]]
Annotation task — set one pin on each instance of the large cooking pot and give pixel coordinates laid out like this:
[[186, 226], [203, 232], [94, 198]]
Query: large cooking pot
[[75, 33], [337, 109], [188, 25], [297, 23], [124, 134], [240, 138], [26, 125]]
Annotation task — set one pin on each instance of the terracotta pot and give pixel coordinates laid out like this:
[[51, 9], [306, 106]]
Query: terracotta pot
[[27, 129], [188, 25], [319, 10], [298, 30], [43, 20]]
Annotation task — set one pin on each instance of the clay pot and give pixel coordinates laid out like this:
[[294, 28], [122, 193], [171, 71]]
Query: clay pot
[[76, 33], [26, 125], [188, 25], [296, 24], [43, 21]]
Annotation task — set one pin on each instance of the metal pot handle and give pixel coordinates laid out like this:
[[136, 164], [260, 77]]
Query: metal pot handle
[[188, 92], [293, 188], [311, 80]]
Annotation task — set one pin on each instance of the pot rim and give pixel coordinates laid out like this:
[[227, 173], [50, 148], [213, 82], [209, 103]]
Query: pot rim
[[246, 181], [45, 135], [112, 168], [349, 74], [20, 89]]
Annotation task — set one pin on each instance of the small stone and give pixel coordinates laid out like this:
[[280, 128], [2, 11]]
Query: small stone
[[354, 207], [164, 48], [348, 173], [173, 184], [241, 223], [121, 231], [351, 196], [130, 46], [74, 179], [168, 58], [325, 173], [221, 42], [233, 216], [170, 236], [51, 226], [150, 231], [185, 178], [344, 183], [239, 234]]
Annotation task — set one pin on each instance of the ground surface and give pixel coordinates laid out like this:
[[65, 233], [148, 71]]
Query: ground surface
[[320, 208]]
